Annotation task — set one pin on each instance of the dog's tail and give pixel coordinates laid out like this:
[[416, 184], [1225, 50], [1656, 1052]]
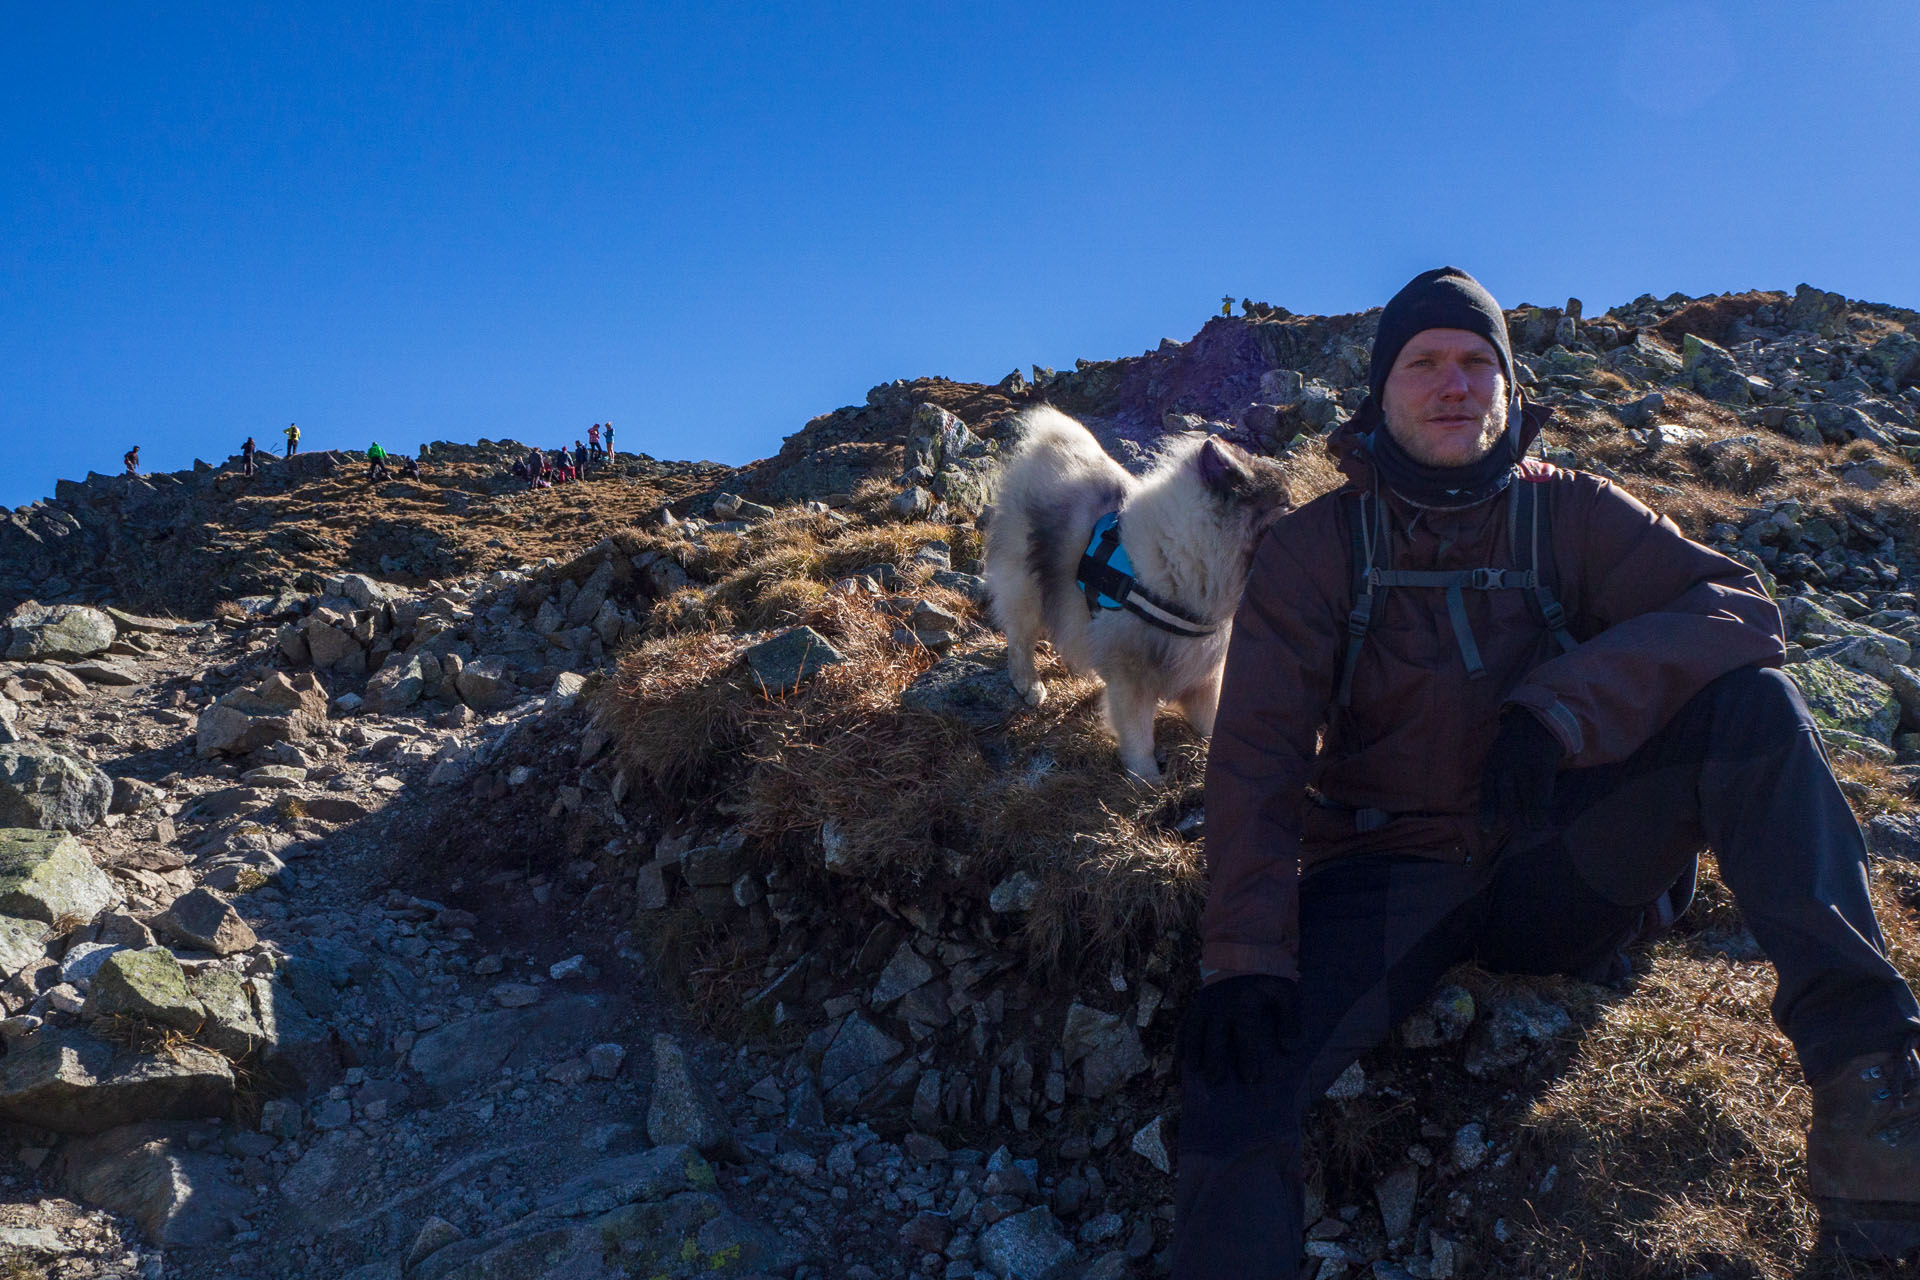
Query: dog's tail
[[1044, 426]]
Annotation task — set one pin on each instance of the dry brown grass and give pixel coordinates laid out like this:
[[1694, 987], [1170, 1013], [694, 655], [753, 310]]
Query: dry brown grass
[[1679, 1125], [911, 797]]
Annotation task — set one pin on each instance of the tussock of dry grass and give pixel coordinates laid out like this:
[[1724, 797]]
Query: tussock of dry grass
[[910, 796]]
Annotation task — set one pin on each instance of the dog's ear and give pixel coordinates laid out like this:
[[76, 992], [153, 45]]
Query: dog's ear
[[1221, 468]]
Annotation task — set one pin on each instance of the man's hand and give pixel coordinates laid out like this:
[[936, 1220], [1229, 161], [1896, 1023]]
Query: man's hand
[[1517, 783], [1245, 1023]]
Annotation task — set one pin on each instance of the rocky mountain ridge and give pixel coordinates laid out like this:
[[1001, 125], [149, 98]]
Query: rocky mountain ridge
[[666, 882]]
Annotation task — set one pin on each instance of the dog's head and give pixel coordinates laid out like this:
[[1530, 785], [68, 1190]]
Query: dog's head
[[1246, 487]]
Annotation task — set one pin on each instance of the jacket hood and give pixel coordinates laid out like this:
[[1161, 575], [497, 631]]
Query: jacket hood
[[1348, 443]]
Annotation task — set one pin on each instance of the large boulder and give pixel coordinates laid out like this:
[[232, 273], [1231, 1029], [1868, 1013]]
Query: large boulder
[[72, 1082], [46, 788], [147, 1172], [1846, 700], [278, 709], [148, 985], [48, 877], [60, 632]]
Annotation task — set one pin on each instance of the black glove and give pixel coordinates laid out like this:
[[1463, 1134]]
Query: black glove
[[1516, 784], [1246, 1023]]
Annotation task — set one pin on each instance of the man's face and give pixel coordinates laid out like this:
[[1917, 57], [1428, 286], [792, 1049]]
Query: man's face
[[1446, 401]]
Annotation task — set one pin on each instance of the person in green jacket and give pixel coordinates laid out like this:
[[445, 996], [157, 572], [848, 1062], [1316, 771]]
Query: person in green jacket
[[377, 463]]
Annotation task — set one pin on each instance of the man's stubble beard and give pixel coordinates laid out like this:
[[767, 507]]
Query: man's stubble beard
[[1493, 426]]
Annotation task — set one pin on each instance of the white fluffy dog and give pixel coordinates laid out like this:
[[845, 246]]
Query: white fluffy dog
[[1157, 626]]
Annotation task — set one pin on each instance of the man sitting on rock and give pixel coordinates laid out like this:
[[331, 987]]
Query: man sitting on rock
[[1539, 701]]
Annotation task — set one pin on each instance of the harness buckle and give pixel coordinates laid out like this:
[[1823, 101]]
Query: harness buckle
[[1488, 579]]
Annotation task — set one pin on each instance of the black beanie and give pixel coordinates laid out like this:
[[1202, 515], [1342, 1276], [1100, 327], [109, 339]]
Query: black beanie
[[1444, 298]]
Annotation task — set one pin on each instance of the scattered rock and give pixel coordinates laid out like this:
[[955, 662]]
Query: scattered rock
[[277, 709], [682, 1108], [49, 877], [205, 921], [1026, 1246], [790, 658], [46, 788]]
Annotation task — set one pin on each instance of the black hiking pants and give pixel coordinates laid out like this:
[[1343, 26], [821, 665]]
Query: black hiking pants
[[1740, 769]]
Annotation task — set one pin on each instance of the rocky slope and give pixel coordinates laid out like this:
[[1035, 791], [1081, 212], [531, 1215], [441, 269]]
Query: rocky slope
[[654, 876]]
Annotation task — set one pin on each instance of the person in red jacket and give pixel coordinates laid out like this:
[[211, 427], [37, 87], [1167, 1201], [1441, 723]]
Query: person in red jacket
[[1477, 706]]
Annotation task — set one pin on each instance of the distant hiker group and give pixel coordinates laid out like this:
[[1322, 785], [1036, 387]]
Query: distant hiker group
[[540, 470], [543, 470]]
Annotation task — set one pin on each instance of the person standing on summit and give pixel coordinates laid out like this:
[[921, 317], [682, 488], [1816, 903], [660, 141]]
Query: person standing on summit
[[1476, 706], [293, 438], [131, 461], [246, 457]]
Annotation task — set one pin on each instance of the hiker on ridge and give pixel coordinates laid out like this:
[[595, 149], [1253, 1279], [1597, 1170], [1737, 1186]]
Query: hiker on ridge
[[1539, 701], [377, 463], [246, 457], [293, 438], [609, 442], [131, 460], [593, 442]]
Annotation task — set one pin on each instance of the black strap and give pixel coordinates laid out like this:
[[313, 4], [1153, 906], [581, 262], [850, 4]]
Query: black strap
[[1530, 535], [1361, 509]]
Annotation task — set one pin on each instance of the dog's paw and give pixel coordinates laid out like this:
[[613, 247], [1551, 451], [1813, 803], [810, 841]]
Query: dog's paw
[[1147, 771], [1033, 695]]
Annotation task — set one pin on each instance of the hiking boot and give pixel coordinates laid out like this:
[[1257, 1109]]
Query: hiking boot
[[1863, 1155]]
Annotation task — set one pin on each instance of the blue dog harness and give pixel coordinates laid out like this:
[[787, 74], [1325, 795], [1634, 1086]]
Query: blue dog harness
[[1106, 579]]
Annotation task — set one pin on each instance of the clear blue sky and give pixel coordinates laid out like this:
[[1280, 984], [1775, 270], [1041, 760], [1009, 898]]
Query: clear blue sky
[[708, 222]]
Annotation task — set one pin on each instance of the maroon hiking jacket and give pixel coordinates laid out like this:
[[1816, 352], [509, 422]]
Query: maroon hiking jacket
[[1658, 618]]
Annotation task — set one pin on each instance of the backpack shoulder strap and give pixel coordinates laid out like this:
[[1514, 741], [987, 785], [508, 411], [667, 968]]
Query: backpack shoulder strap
[[1368, 540], [1530, 535]]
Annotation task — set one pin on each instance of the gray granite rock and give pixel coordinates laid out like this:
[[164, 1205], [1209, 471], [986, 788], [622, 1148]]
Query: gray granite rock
[[1106, 1046], [46, 788], [454, 1059], [71, 1082], [1512, 1028], [61, 632], [147, 984], [279, 708], [206, 921], [971, 689], [856, 1060], [177, 1195], [48, 877], [1026, 1246], [648, 1175], [790, 658], [682, 1109]]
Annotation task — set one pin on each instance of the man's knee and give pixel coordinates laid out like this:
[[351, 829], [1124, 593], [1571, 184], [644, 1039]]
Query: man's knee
[[1756, 705]]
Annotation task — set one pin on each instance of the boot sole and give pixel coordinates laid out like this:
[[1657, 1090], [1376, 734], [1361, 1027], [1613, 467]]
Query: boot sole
[[1877, 1230]]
